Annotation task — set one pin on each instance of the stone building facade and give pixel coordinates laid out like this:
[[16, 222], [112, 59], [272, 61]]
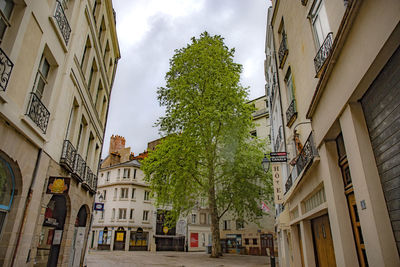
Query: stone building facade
[[58, 63], [332, 72]]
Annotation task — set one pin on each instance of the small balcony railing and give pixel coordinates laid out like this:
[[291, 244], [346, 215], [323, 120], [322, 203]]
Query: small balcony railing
[[62, 22], [6, 67], [283, 51], [323, 53], [94, 187], [88, 178], [79, 167], [68, 156], [291, 113], [306, 155], [38, 112]]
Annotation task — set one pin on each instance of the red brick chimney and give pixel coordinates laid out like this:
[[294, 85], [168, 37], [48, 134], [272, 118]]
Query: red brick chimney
[[116, 143]]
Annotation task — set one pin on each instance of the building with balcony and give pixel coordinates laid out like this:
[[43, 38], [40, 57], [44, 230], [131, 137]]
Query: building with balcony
[[336, 68], [57, 63], [128, 216]]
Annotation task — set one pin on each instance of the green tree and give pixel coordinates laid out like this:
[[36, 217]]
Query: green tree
[[208, 152]]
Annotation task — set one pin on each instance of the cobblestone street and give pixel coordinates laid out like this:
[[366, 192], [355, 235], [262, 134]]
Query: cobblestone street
[[170, 259]]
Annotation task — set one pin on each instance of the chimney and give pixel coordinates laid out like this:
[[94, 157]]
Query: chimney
[[116, 143]]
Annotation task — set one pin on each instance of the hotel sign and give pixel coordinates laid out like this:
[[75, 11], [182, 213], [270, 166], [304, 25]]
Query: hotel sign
[[277, 179]]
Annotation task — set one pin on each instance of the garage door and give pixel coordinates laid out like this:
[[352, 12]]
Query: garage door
[[381, 105]]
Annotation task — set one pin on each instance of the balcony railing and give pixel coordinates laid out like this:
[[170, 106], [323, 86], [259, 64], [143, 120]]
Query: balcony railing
[[6, 67], [323, 53], [283, 51], [88, 179], [62, 22], [68, 156], [79, 168], [38, 112], [291, 113], [94, 187], [307, 154]]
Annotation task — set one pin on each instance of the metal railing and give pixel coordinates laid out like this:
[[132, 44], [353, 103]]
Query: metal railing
[[88, 179], [291, 112], [283, 50], [38, 112], [323, 53], [62, 22], [306, 155], [6, 67], [68, 156], [79, 167]]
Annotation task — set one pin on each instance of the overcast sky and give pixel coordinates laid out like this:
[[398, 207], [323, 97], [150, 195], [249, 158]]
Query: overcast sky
[[150, 30]]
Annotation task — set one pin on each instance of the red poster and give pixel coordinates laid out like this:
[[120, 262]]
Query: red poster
[[50, 237], [194, 240]]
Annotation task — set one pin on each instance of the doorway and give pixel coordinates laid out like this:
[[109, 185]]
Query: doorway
[[323, 244], [79, 237]]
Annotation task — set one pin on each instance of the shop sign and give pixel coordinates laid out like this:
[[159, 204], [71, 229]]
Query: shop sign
[[278, 156], [194, 240], [57, 237], [277, 178], [165, 229], [98, 206], [120, 236], [58, 185]]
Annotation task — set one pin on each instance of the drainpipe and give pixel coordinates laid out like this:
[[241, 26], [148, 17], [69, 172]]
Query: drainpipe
[[27, 203]]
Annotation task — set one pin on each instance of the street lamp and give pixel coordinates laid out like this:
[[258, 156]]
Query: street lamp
[[265, 163]]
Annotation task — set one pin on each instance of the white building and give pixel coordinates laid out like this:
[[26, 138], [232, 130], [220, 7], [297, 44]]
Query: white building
[[127, 220]]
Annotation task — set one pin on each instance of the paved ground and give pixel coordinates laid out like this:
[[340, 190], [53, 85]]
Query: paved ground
[[170, 259]]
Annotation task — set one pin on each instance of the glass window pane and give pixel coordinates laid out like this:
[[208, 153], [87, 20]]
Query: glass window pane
[[6, 185]]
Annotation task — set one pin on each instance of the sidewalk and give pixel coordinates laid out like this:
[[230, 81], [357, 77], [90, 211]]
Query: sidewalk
[[170, 259]]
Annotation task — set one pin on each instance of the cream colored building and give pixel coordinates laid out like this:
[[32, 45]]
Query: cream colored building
[[58, 62], [338, 81], [127, 220]]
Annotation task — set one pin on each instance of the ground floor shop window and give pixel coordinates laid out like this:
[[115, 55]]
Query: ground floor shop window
[[7, 187], [104, 239], [138, 240]]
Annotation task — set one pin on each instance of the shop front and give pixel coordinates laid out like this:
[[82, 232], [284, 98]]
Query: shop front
[[138, 240], [104, 241]]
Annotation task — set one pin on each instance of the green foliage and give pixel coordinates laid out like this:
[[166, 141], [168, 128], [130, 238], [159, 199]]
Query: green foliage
[[208, 146]]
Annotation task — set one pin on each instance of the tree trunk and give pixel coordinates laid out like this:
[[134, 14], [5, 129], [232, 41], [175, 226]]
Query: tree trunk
[[216, 247]]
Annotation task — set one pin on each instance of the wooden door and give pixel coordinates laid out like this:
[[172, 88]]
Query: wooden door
[[325, 255]]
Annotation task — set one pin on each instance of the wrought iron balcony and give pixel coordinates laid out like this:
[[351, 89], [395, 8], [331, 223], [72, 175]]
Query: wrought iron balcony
[[291, 113], [68, 156], [79, 168], [306, 155], [94, 187], [323, 53], [38, 112], [6, 67], [283, 51], [62, 22], [88, 179]]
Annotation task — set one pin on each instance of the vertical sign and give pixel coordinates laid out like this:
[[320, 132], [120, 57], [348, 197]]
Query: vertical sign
[[194, 240], [277, 178]]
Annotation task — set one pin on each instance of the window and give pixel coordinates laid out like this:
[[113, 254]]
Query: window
[[6, 8], [104, 195], [253, 133], [239, 224], [133, 193], [119, 173], [203, 239], [7, 187], [115, 193], [127, 173], [131, 214], [254, 241], [108, 177], [124, 193], [41, 77], [134, 173], [227, 225], [289, 85], [85, 54], [146, 195], [122, 214], [113, 214], [102, 215], [246, 241], [202, 218], [145, 215], [320, 23], [194, 218]]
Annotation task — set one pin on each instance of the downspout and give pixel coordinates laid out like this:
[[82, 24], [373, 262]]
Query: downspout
[[27, 203]]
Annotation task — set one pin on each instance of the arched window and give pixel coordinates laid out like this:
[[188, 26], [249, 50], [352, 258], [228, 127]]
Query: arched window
[[7, 187]]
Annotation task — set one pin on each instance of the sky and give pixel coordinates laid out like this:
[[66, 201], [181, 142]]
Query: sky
[[148, 33]]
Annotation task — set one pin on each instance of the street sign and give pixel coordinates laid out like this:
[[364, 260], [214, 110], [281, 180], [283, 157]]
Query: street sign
[[278, 156], [98, 206]]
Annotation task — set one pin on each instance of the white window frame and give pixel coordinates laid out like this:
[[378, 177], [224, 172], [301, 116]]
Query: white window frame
[[319, 22], [194, 218], [122, 214], [146, 195], [124, 193], [146, 215]]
